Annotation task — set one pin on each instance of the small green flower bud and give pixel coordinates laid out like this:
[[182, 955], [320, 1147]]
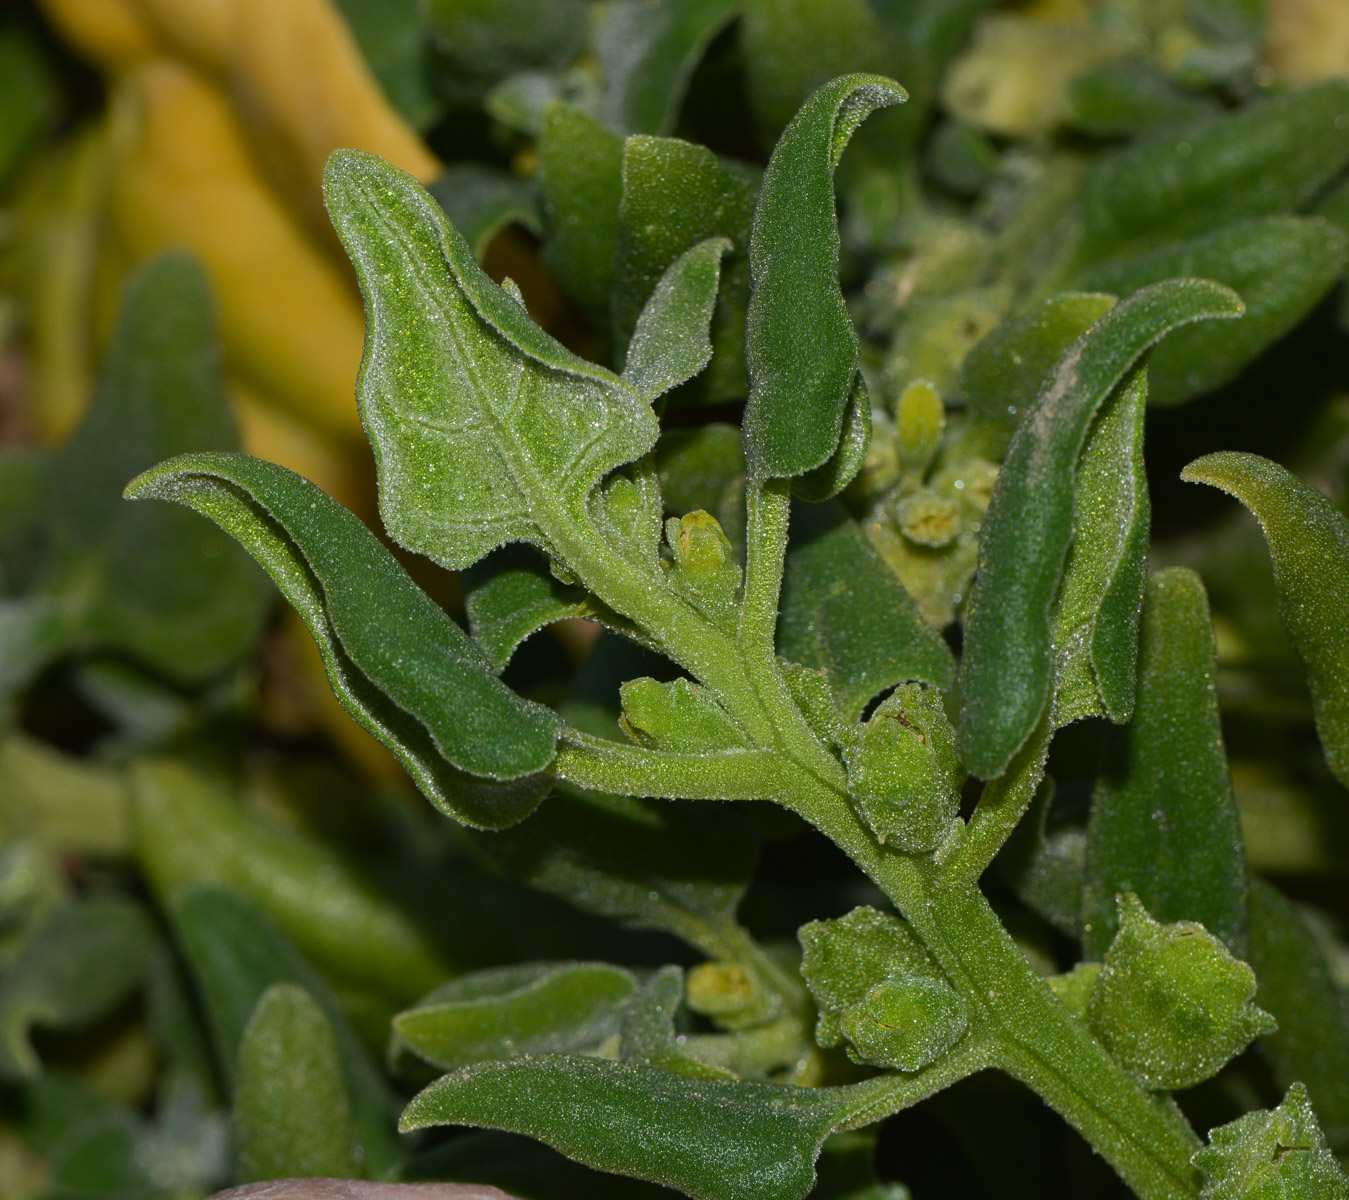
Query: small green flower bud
[[722, 991], [906, 1024], [705, 568], [927, 518], [920, 419]]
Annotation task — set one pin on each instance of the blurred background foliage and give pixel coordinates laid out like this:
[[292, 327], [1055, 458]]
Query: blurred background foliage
[[189, 823]]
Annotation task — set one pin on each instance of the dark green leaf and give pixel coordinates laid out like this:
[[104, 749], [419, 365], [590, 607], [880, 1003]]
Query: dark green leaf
[[647, 52], [507, 1012], [485, 429], [480, 201], [801, 347], [1309, 543], [400, 666], [235, 955], [1279, 266], [511, 594], [581, 180], [1298, 988], [291, 1113], [1095, 621], [670, 343], [1045, 866], [839, 470], [482, 41], [1129, 97], [393, 35], [1270, 158], [81, 961], [704, 468], [845, 612], [712, 1139], [1164, 823], [1007, 669]]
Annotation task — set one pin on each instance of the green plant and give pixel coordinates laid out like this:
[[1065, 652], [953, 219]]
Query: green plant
[[784, 624]]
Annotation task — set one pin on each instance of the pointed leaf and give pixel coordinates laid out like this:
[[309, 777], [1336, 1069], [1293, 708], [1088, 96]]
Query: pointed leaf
[[839, 470], [1095, 623], [712, 1139], [1309, 543], [400, 666], [670, 343], [291, 1113], [802, 349], [485, 430], [1007, 669], [1164, 821]]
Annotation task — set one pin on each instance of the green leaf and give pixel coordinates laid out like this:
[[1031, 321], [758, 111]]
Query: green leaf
[[481, 41], [1164, 822], [1309, 543], [801, 346], [1299, 990], [485, 430], [679, 716], [1280, 266], [511, 594], [152, 583], [191, 831], [1272, 157], [1129, 97], [836, 472], [1095, 620], [81, 961], [647, 53], [581, 181], [1002, 376], [647, 1034], [1171, 1004], [392, 35], [480, 201], [670, 343], [291, 1113], [845, 612], [1272, 1154], [711, 1139], [704, 468], [1045, 866], [676, 195], [1007, 668], [507, 1012], [400, 666], [235, 955]]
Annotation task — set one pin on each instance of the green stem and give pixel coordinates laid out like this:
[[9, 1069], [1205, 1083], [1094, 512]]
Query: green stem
[[767, 512], [610, 766]]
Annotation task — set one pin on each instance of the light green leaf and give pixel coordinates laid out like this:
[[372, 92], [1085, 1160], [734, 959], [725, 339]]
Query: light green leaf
[[1095, 620], [677, 716], [291, 1113], [844, 612], [670, 343], [400, 666], [711, 1139], [507, 1012], [1164, 822], [1281, 267], [801, 346], [485, 429], [1309, 543], [1007, 668]]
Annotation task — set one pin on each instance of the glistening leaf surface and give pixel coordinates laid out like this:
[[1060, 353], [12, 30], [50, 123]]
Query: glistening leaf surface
[[398, 663], [1007, 670], [802, 348], [712, 1139], [485, 430], [1309, 542]]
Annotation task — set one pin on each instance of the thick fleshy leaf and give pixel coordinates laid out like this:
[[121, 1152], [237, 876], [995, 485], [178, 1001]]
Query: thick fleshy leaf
[[581, 181], [511, 594], [647, 52], [480, 201], [506, 1012], [1280, 267], [670, 343], [1007, 669], [1095, 622], [844, 612], [711, 1139], [291, 1113], [676, 195], [485, 430], [1309, 543], [77, 964], [1272, 157], [400, 666], [1164, 822], [235, 954], [801, 347], [1298, 988], [1002, 376]]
